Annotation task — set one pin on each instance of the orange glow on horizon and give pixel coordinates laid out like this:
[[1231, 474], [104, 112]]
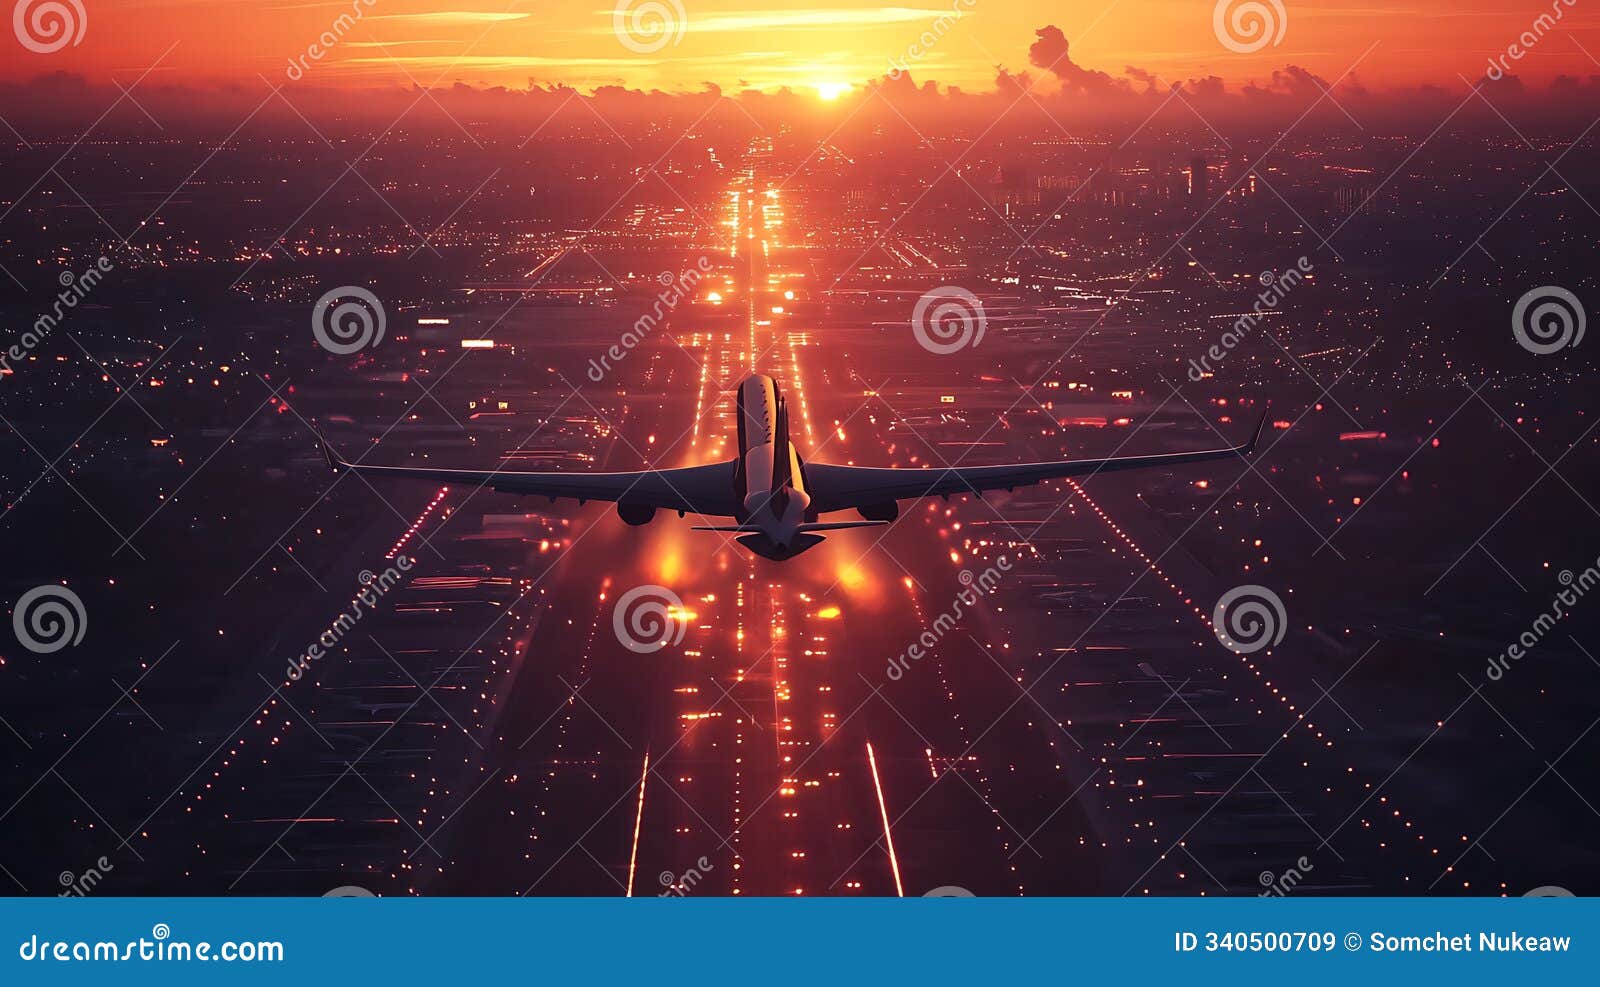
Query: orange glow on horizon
[[827, 50]]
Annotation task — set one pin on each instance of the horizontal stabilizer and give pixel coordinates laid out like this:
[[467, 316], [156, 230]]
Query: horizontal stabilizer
[[841, 525], [751, 529]]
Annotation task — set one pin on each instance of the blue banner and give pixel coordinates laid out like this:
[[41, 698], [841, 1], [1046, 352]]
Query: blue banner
[[975, 940]]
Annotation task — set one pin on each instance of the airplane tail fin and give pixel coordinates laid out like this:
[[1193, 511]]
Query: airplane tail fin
[[334, 461], [1261, 425]]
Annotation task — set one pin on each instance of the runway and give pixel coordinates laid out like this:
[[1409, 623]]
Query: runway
[[1079, 729], [1070, 723]]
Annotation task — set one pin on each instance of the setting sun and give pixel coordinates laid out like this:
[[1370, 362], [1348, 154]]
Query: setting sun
[[830, 91]]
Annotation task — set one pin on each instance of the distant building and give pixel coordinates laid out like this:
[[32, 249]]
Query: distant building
[[1199, 179]]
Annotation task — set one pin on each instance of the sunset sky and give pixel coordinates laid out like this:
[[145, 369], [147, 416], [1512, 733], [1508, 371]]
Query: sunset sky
[[763, 44]]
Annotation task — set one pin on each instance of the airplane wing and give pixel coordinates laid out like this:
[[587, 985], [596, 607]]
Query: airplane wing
[[692, 490], [842, 488]]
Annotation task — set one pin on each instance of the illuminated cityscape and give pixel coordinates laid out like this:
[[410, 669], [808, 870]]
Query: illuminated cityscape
[[278, 679]]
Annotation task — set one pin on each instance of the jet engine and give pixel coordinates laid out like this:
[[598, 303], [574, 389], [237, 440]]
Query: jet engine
[[880, 512], [635, 514]]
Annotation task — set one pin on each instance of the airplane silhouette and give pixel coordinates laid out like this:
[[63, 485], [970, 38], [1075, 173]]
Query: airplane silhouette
[[774, 497]]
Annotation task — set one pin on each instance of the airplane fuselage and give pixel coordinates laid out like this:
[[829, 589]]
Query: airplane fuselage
[[770, 474]]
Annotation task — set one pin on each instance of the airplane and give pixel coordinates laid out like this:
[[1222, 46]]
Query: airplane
[[774, 496]]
